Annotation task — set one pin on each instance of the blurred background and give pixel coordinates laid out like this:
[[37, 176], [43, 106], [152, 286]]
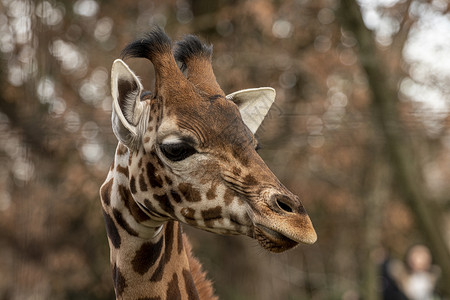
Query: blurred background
[[360, 130]]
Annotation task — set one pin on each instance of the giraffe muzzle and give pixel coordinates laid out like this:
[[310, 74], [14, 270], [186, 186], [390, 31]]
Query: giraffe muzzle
[[281, 223]]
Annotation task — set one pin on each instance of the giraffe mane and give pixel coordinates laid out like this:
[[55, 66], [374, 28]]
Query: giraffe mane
[[202, 284]]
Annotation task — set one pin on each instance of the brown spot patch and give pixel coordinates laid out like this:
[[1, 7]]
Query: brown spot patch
[[228, 196], [190, 286], [119, 280], [147, 138], [165, 203], [142, 183], [156, 157], [129, 203], [155, 180], [169, 239], [175, 196], [190, 193], [166, 253], [123, 170], [159, 271], [121, 149], [179, 239], [168, 180], [250, 180], [111, 231], [146, 256], [212, 214], [105, 191], [211, 193], [189, 215], [123, 223], [133, 185], [173, 291]]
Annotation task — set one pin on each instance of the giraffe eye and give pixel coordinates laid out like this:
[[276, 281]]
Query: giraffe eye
[[177, 151]]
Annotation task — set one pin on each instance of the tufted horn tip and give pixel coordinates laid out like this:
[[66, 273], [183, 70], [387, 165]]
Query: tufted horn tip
[[191, 47], [154, 43]]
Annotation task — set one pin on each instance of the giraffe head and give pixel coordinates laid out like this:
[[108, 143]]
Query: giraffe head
[[192, 150]]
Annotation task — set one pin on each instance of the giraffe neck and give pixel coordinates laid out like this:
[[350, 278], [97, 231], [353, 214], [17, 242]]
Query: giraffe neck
[[150, 259]]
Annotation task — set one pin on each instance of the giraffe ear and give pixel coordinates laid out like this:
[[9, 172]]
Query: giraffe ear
[[127, 109], [254, 104]]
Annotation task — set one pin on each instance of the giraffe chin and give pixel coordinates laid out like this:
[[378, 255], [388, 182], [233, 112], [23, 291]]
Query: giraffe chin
[[273, 241]]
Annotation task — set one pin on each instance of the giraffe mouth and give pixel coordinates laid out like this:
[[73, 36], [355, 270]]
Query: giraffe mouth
[[272, 240]]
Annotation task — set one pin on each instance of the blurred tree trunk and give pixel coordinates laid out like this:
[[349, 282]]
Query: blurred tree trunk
[[398, 145], [376, 192]]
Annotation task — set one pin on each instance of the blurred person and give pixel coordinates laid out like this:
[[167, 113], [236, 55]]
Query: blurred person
[[417, 279], [390, 288]]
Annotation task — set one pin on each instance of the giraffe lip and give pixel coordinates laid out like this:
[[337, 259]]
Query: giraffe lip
[[272, 240], [272, 232]]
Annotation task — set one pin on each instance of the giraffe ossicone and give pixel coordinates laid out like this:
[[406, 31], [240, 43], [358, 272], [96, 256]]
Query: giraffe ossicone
[[186, 153]]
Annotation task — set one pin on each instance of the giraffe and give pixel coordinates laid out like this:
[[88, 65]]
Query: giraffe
[[187, 154]]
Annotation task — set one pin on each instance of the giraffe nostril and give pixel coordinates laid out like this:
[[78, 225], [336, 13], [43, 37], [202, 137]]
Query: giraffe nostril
[[284, 204]]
